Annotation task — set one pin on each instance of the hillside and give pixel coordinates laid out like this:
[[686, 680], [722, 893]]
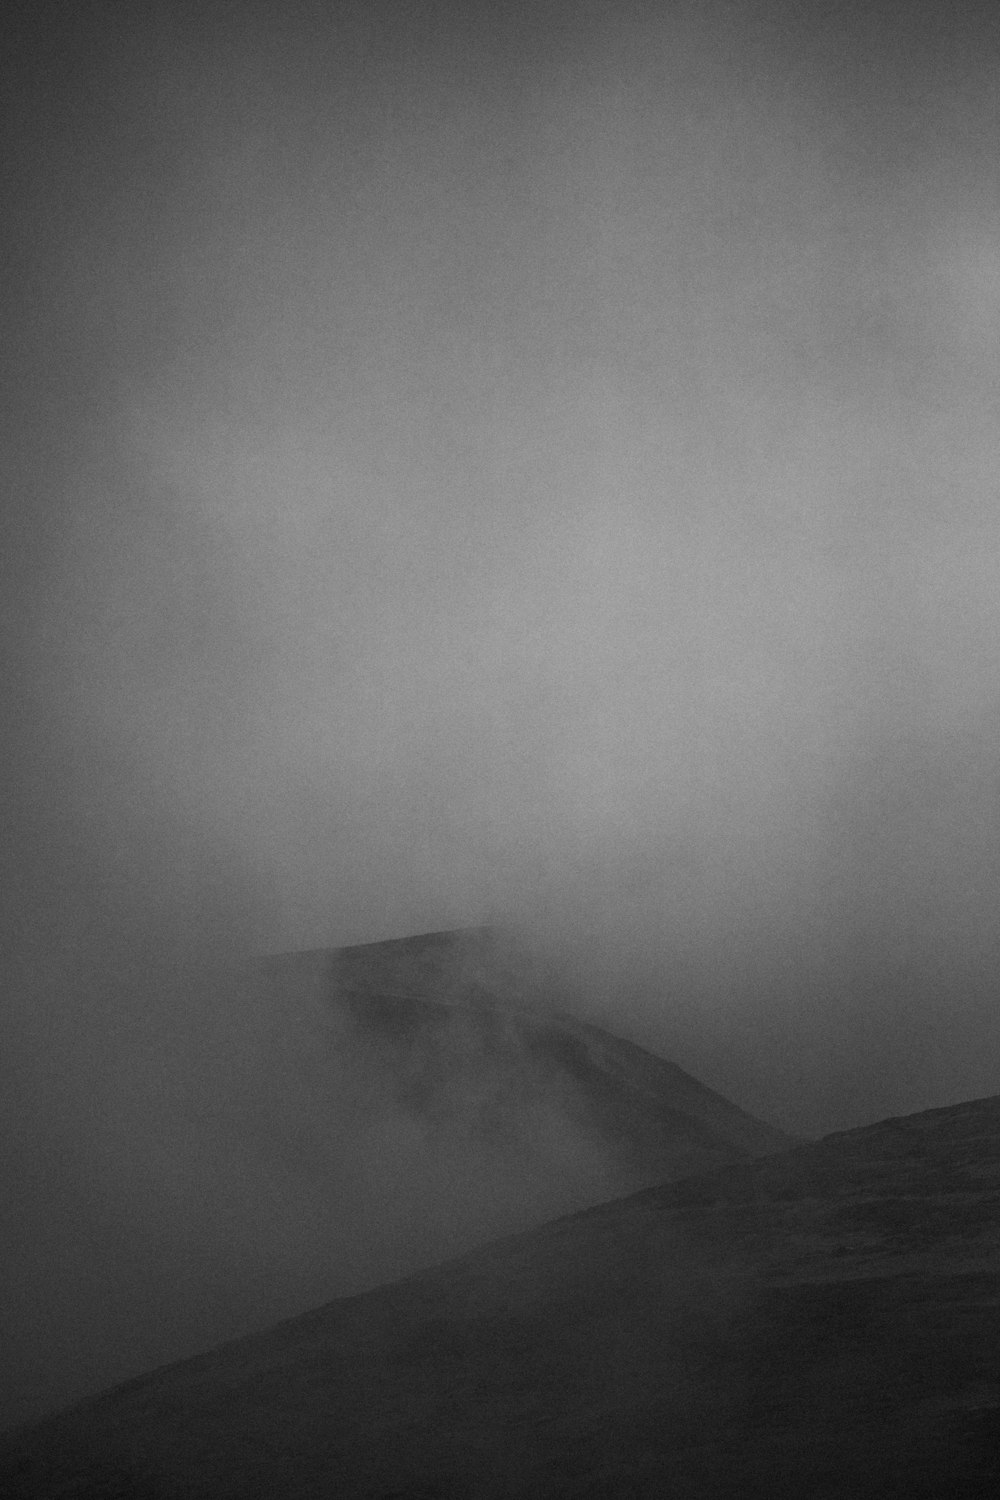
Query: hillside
[[820, 1323]]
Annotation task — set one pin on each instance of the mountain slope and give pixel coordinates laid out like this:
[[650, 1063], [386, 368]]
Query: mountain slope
[[820, 1323]]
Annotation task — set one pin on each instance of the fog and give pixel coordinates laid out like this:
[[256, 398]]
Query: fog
[[518, 464]]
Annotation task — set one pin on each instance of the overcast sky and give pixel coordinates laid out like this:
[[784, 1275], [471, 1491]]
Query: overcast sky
[[519, 462]]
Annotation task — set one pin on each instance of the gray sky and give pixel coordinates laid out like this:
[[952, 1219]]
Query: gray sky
[[515, 462]]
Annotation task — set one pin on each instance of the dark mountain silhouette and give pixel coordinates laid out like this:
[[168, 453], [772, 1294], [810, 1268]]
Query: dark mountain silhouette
[[825, 1322]]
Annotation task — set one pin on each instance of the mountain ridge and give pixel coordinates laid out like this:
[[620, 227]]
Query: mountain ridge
[[446, 977]]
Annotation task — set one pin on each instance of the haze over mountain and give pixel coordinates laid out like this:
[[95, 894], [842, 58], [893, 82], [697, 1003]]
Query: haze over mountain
[[530, 465], [316, 1123], [824, 1322]]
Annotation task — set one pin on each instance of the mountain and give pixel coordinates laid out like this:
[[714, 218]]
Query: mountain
[[459, 1031], [821, 1323], [429, 1095], [316, 1125]]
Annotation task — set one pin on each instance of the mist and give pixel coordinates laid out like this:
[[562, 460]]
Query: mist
[[531, 465]]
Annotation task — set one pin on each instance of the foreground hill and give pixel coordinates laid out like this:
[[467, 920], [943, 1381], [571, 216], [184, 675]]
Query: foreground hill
[[820, 1323]]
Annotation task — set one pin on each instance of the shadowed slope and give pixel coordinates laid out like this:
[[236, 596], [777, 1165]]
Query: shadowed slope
[[821, 1323]]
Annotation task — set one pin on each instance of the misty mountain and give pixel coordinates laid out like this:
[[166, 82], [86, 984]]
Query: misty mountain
[[430, 1093], [309, 1126], [527, 464], [820, 1322], [458, 1031]]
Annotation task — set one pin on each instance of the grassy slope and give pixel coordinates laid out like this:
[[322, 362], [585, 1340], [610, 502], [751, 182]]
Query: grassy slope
[[821, 1323]]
